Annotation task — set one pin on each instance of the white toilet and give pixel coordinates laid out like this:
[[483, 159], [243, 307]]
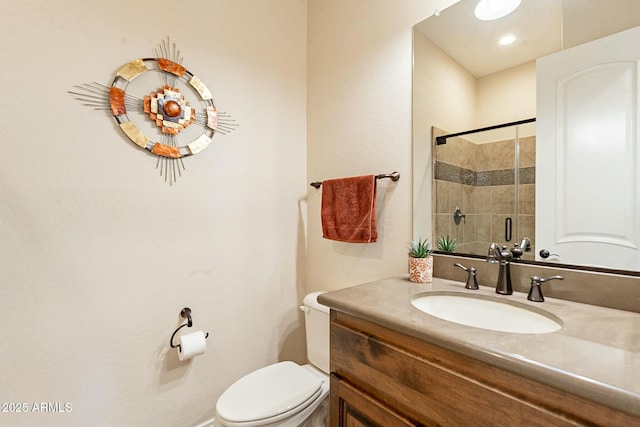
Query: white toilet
[[284, 394]]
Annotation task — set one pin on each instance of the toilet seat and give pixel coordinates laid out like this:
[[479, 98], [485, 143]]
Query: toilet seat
[[269, 394]]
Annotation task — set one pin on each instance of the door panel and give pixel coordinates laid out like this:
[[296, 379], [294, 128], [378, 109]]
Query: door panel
[[588, 129]]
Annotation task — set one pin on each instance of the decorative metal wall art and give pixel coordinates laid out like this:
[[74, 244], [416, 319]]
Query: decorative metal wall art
[[167, 111]]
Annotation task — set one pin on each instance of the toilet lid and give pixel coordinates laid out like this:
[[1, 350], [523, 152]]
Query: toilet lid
[[269, 392]]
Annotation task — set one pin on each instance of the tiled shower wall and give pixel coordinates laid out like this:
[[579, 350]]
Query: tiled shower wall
[[480, 180]]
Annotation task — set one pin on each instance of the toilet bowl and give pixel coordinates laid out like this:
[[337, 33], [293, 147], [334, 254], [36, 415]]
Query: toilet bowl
[[284, 394]]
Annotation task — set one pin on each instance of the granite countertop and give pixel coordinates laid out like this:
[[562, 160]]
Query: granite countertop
[[595, 355]]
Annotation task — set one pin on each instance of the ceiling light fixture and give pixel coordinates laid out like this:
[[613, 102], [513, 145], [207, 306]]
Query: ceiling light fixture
[[507, 39], [488, 10]]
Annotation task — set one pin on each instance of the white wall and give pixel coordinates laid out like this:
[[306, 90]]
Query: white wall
[[359, 113], [99, 254]]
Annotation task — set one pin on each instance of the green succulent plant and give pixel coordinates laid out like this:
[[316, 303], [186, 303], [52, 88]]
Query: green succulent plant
[[447, 244], [420, 248]]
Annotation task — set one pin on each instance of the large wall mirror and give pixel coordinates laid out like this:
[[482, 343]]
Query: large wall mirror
[[480, 186]]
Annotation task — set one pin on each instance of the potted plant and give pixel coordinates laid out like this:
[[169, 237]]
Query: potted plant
[[420, 261], [447, 244]]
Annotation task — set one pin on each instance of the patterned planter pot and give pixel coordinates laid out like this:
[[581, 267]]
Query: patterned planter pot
[[421, 269]]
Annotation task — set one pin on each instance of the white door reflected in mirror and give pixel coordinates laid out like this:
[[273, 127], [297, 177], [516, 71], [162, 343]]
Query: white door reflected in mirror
[[587, 124]]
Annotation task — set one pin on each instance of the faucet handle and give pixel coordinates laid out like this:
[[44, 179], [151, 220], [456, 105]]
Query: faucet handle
[[535, 292], [516, 251], [493, 253], [472, 282]]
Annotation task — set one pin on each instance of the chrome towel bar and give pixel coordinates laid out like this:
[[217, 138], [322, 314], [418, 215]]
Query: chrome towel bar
[[393, 175]]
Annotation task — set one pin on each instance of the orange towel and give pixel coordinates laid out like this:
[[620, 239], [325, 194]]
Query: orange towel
[[349, 209]]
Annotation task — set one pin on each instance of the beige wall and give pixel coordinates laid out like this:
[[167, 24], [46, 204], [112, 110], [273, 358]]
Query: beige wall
[[507, 96], [444, 95], [99, 255], [359, 110]]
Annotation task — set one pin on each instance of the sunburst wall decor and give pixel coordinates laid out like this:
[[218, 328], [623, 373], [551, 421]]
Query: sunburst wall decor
[[166, 112]]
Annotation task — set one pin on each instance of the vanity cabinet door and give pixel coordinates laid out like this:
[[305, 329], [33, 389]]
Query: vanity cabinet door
[[351, 407], [381, 377]]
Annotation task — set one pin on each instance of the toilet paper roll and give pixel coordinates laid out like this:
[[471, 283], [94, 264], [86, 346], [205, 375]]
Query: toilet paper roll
[[192, 345]]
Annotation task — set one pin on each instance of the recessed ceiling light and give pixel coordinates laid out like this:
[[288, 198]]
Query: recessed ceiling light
[[507, 39], [488, 10]]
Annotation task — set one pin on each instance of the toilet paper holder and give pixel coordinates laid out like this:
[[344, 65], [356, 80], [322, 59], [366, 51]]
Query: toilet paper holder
[[185, 313]]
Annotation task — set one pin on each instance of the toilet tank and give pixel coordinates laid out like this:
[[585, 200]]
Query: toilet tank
[[316, 321]]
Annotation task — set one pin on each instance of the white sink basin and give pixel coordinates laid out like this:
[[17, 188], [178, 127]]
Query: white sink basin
[[481, 311]]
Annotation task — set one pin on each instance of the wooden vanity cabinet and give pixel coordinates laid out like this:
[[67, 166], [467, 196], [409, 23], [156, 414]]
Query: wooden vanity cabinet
[[384, 378]]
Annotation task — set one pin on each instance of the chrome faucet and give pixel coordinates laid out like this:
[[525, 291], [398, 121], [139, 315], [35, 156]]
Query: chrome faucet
[[472, 281], [520, 248], [503, 256], [525, 244], [535, 293]]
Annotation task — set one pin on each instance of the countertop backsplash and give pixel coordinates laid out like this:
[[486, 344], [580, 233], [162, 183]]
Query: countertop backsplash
[[589, 287]]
